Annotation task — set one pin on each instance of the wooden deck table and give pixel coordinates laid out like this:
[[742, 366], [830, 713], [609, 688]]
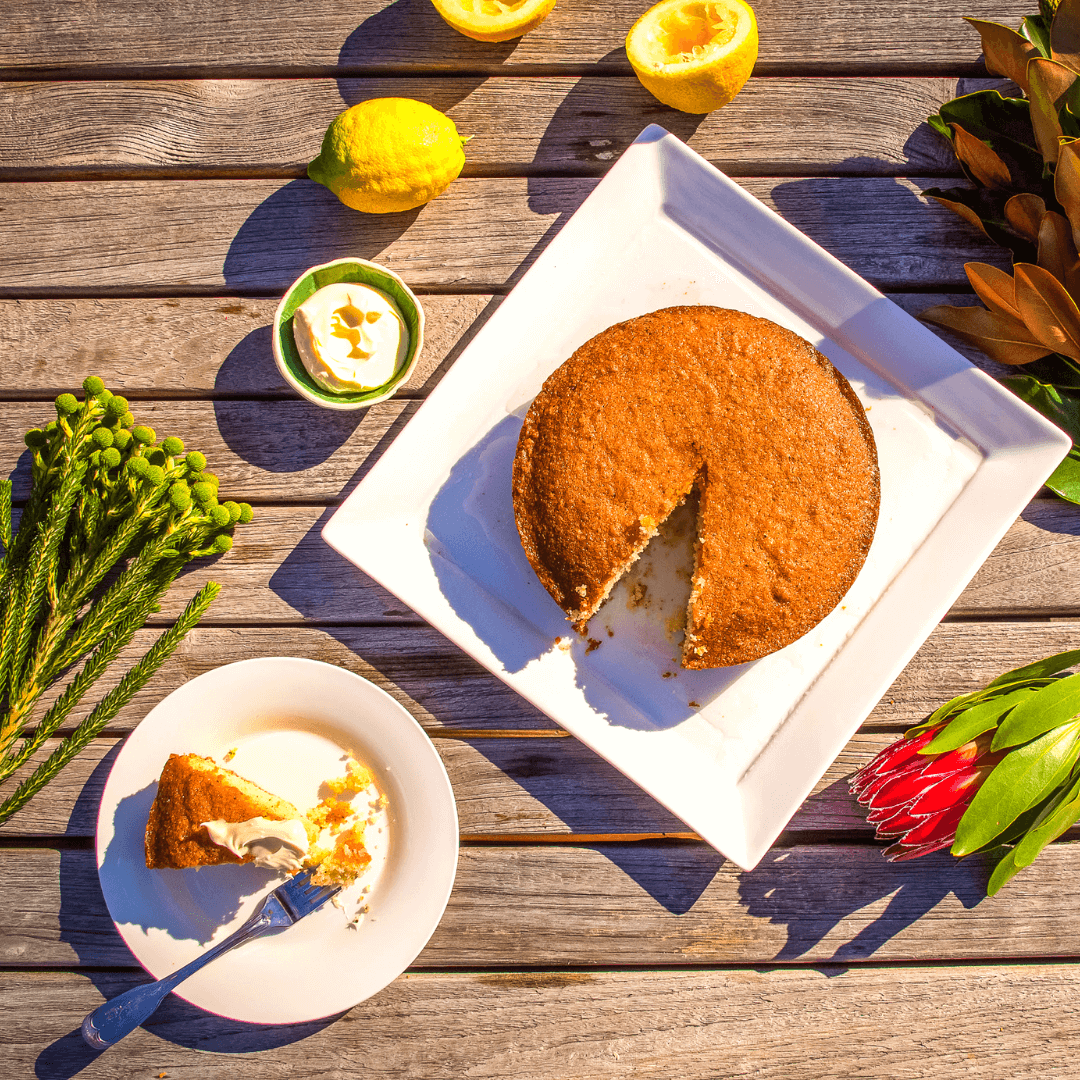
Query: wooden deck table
[[153, 208]]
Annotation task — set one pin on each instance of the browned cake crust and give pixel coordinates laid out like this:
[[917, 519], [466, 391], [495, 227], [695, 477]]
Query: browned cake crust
[[768, 430], [193, 789]]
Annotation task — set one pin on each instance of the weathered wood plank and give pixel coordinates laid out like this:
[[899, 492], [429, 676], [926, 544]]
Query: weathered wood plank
[[450, 694], [194, 345], [121, 236], [185, 345], [242, 35], [281, 571], [641, 904], [275, 127], [505, 788], [995, 1022]]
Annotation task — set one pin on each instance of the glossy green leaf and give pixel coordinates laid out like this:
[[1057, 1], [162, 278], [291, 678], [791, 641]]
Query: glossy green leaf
[[974, 721], [1020, 780], [1003, 872], [1048, 708], [963, 701], [1037, 30], [1061, 817], [1064, 481], [1041, 669], [1059, 407]]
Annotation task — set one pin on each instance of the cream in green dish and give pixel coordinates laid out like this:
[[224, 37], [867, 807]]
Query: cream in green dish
[[347, 334]]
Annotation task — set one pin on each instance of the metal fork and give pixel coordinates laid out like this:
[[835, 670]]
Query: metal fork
[[287, 904]]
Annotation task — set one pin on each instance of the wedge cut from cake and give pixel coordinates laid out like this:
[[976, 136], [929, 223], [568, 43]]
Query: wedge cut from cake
[[194, 790], [207, 815], [770, 434]]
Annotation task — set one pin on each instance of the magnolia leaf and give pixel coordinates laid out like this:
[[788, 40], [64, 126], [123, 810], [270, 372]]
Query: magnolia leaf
[[1049, 83], [1064, 481], [1067, 185], [1004, 125], [974, 721], [1020, 780], [1048, 311], [1061, 814], [985, 209], [979, 160], [994, 288], [1048, 708], [1024, 212], [1041, 669], [1005, 52], [1036, 29], [1002, 339], [1065, 34], [1057, 252]]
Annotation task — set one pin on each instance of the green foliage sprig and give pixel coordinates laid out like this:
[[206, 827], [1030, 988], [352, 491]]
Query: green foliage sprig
[[112, 518]]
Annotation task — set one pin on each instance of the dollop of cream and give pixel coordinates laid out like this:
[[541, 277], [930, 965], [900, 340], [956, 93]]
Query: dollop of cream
[[350, 336], [278, 845]]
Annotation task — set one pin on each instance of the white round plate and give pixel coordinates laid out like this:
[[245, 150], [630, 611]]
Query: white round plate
[[291, 721]]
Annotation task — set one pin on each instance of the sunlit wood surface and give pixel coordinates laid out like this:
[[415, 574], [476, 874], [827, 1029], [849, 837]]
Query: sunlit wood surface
[[153, 207]]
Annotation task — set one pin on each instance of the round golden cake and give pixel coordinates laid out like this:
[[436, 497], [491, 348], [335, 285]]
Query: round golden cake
[[753, 416]]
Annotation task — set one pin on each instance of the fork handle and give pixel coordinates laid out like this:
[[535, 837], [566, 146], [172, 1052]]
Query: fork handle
[[110, 1022]]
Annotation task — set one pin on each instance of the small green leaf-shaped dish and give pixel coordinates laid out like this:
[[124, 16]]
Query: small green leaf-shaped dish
[[284, 344]]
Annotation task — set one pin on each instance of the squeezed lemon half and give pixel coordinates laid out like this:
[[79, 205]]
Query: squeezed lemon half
[[694, 55], [493, 20]]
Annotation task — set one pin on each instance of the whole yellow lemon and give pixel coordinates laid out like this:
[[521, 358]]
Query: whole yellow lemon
[[389, 154]]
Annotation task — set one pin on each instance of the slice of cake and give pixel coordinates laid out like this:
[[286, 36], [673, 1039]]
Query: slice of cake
[[206, 815], [194, 793]]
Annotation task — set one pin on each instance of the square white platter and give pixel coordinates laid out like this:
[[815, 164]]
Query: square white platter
[[733, 752]]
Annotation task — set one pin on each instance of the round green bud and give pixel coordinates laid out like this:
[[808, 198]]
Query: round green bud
[[66, 404], [143, 434], [155, 474], [234, 511], [116, 406], [156, 456], [95, 458], [222, 542], [206, 478], [138, 466], [104, 397], [121, 438], [35, 438], [51, 428], [203, 493], [246, 513], [180, 497], [128, 419], [110, 457], [102, 437], [93, 385], [173, 446], [196, 462], [221, 517]]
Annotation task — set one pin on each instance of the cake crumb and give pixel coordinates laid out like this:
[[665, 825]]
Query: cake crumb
[[563, 643], [694, 704], [637, 596], [593, 645], [610, 632], [669, 674], [230, 754]]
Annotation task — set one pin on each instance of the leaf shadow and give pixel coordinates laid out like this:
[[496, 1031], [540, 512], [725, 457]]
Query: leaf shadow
[[788, 884]]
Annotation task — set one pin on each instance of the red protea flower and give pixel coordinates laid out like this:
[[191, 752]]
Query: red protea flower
[[921, 798]]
